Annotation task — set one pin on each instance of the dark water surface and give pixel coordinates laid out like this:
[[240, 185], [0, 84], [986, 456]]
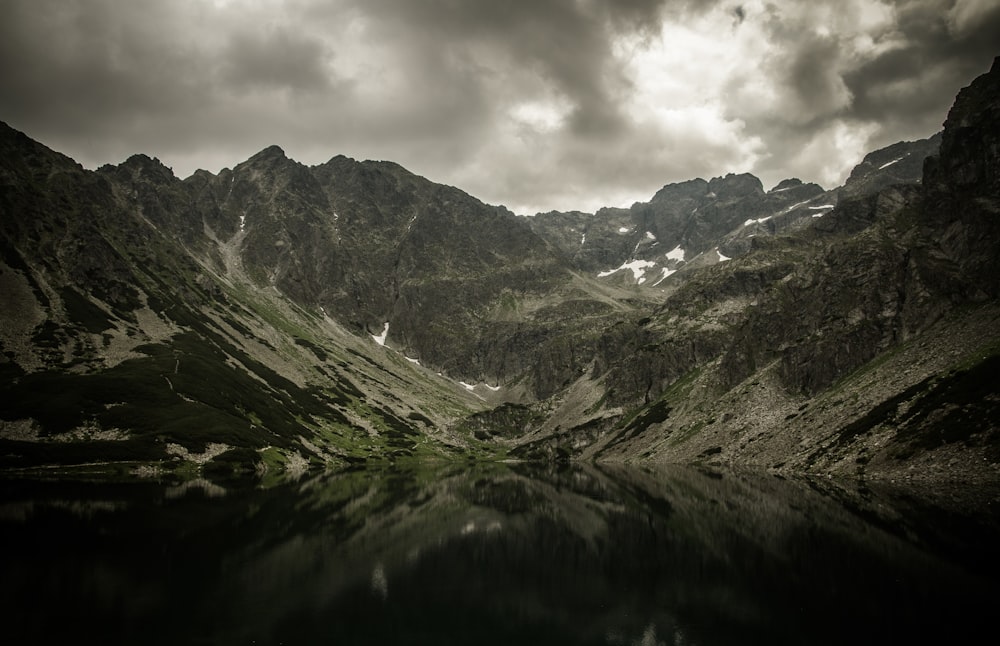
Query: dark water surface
[[497, 556]]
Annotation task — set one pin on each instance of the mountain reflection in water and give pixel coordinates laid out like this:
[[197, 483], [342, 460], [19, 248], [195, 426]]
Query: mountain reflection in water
[[497, 555]]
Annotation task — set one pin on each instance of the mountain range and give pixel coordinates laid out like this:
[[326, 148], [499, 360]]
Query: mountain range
[[276, 317]]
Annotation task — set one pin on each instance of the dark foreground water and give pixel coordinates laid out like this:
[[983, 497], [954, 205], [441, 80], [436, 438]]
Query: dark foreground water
[[497, 556]]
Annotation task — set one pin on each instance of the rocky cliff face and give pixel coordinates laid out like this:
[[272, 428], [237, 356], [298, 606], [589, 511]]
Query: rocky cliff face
[[277, 313], [962, 184]]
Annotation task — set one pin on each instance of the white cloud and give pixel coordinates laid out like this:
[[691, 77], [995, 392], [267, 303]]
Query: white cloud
[[966, 15], [539, 117], [832, 152]]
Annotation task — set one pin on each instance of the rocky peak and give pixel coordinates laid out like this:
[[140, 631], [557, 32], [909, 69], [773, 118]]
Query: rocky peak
[[734, 186], [900, 163], [141, 168], [367, 175], [269, 153], [275, 175], [970, 147], [202, 176], [691, 189], [786, 184], [272, 165], [794, 191], [962, 183], [19, 150]]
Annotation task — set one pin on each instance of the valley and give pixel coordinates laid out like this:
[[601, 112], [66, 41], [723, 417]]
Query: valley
[[276, 318]]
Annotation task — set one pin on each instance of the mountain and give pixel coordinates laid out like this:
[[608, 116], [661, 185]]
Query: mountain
[[697, 223], [147, 323], [280, 316], [325, 314]]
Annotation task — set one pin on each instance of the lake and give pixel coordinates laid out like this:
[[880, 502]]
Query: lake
[[493, 554]]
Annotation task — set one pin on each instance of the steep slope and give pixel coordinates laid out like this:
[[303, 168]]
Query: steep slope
[[426, 269], [133, 331]]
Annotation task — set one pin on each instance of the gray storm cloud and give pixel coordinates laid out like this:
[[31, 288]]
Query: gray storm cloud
[[534, 104]]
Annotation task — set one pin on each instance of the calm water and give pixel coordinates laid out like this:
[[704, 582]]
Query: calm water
[[497, 556]]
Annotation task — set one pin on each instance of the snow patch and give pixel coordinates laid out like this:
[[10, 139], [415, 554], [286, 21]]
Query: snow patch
[[721, 257], [822, 207], [888, 164], [583, 239], [472, 388], [416, 361], [791, 208], [664, 275], [638, 268], [492, 526], [243, 222], [624, 230], [380, 339], [650, 235], [758, 220], [676, 254]]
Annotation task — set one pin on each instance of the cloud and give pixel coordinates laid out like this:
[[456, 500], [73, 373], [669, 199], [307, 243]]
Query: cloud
[[89, 61], [967, 17], [274, 58], [935, 52], [837, 79], [536, 104]]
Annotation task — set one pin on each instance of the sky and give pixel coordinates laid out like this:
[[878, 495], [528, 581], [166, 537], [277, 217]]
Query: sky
[[533, 104]]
